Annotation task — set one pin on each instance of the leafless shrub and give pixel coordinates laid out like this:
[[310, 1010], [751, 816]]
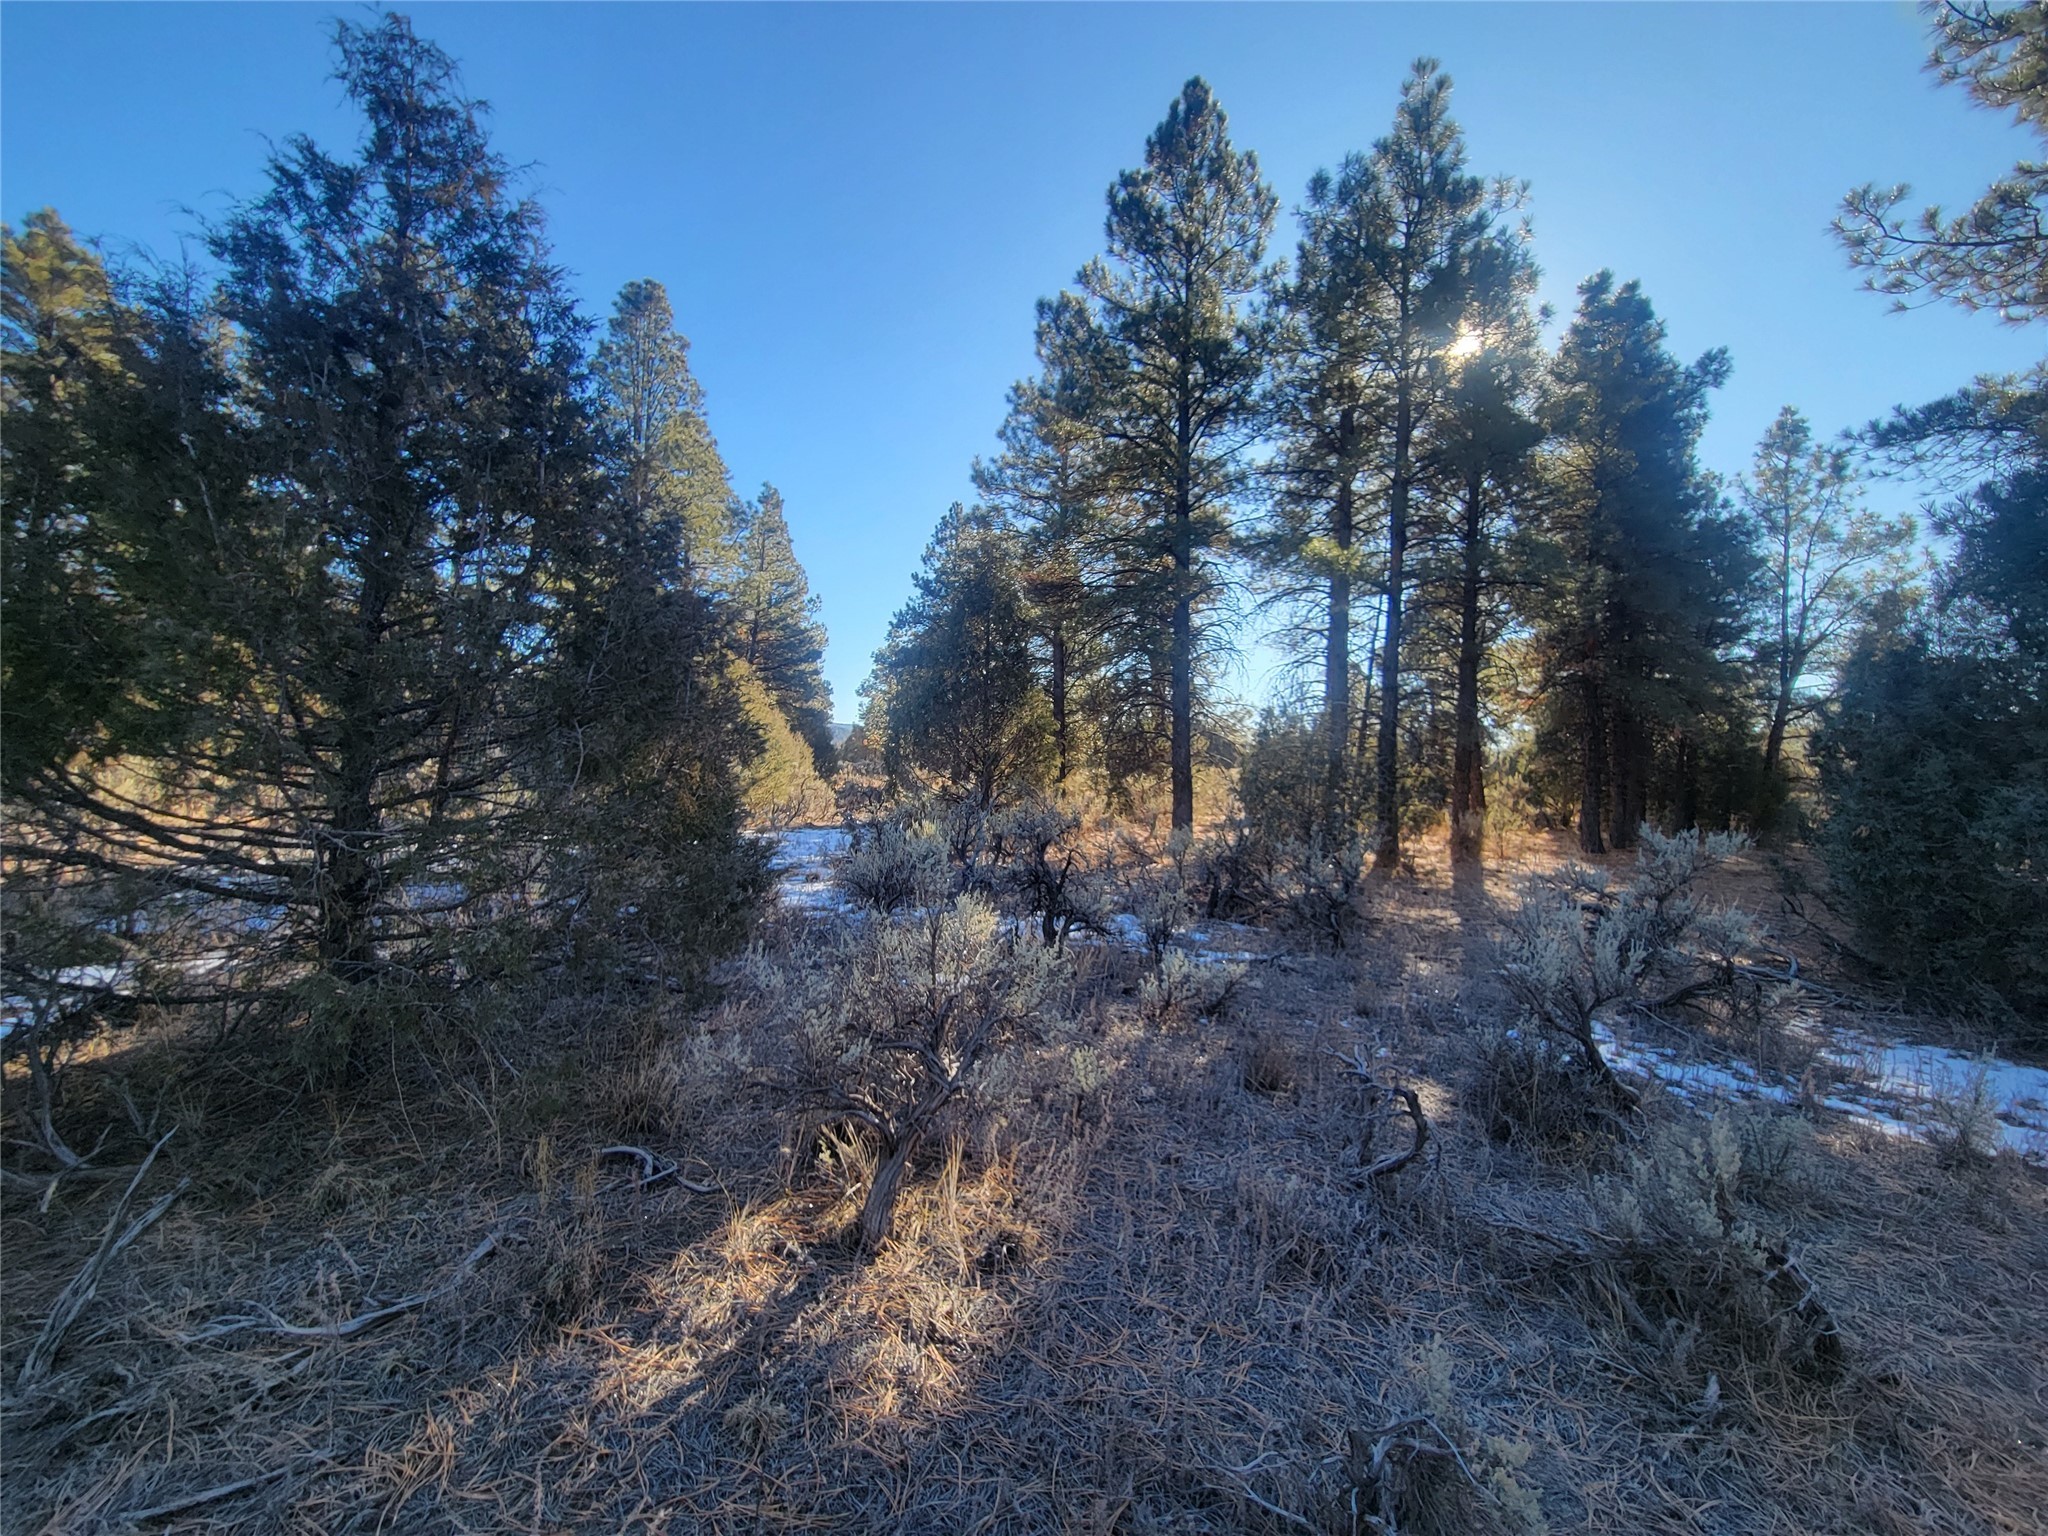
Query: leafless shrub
[[899, 1021], [1160, 896], [1430, 1472]]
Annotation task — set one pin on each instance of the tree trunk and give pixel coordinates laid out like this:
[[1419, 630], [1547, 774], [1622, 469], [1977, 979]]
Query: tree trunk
[[1468, 778], [1060, 738], [1337, 638], [1592, 767], [1182, 684], [878, 1211], [1387, 777]]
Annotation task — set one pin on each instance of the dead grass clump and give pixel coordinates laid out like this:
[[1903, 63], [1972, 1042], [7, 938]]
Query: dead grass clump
[[1270, 1065]]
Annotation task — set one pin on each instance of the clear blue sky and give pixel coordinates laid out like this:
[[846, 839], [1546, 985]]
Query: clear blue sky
[[854, 207]]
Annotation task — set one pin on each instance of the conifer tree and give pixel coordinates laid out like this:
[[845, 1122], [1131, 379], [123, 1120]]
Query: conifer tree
[[659, 452], [1048, 482], [1826, 560], [1482, 447], [1180, 354], [774, 619], [956, 694], [1647, 575]]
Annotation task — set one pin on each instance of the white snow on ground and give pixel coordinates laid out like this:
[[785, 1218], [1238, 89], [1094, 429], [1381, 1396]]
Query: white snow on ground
[[1895, 1086], [802, 866]]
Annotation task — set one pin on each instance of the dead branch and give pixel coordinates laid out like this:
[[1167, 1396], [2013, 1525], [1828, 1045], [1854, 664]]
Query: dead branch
[[1355, 1065], [655, 1171], [267, 1321], [86, 1283], [205, 1496], [1396, 1161]]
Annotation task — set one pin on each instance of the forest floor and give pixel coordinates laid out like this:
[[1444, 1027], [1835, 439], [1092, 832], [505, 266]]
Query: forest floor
[[1157, 1295]]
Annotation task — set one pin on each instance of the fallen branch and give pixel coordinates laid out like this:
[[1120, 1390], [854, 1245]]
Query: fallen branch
[[86, 1283], [205, 1496], [268, 1321], [1356, 1066], [654, 1171]]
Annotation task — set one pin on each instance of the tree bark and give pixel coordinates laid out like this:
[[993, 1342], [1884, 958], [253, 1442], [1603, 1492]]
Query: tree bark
[[877, 1222], [1387, 777], [1592, 766], [1337, 637], [1468, 778], [1181, 702]]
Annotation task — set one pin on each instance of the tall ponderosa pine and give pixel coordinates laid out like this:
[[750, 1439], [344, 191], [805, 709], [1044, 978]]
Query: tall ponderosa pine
[[774, 621], [958, 696], [1482, 448], [1387, 253], [1647, 578], [1176, 406]]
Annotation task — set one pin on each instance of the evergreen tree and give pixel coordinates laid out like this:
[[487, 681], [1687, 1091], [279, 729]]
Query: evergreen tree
[[1995, 255], [1825, 559], [1179, 356], [388, 637], [774, 618], [1048, 482], [1646, 572], [1482, 447], [956, 694], [659, 452]]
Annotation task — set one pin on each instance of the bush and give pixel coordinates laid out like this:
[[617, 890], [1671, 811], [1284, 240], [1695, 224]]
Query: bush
[[894, 861], [1044, 873], [1692, 1275], [904, 1020], [1576, 948]]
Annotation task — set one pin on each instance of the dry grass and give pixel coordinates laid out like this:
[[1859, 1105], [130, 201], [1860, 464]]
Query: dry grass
[[1151, 1294]]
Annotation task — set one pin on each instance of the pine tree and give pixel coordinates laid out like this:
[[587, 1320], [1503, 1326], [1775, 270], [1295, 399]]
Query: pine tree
[[956, 693], [1048, 482], [1482, 447], [1826, 560], [1174, 403], [659, 450], [1995, 255], [774, 619], [1647, 573]]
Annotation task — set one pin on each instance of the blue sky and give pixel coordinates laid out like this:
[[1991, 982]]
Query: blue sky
[[854, 207]]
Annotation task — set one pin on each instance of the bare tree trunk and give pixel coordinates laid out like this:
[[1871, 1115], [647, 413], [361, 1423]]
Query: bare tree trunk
[[1181, 702], [1387, 778], [1592, 767], [877, 1221], [1468, 776], [1337, 637], [1061, 739]]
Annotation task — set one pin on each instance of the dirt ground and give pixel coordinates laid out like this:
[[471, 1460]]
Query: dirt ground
[[1153, 1290]]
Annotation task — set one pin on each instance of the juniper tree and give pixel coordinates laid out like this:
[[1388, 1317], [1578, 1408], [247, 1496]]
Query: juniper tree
[[1173, 303], [659, 452], [958, 697]]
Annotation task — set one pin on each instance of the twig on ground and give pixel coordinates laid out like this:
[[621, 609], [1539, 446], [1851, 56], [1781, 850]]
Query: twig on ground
[[86, 1283], [654, 1171], [269, 1322], [214, 1495]]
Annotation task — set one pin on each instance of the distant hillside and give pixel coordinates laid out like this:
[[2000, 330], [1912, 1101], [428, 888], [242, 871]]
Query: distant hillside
[[840, 733]]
